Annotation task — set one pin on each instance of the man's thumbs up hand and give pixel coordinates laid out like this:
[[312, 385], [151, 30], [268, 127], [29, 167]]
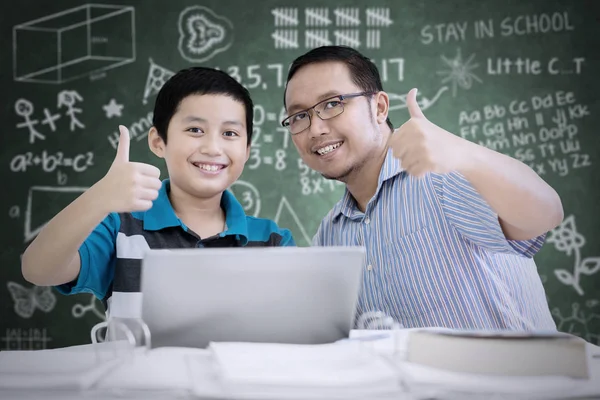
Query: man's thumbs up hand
[[424, 147]]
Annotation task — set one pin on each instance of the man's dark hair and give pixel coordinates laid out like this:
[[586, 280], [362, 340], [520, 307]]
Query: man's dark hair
[[363, 71], [197, 81]]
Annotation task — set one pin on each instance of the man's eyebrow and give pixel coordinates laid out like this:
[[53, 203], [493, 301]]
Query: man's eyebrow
[[298, 107]]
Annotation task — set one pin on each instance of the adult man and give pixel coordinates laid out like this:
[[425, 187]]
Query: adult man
[[450, 227]]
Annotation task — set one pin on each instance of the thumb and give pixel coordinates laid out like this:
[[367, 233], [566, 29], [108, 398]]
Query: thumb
[[123, 146], [413, 107]]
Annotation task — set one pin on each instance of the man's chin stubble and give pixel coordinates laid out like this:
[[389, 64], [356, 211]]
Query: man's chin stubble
[[341, 177]]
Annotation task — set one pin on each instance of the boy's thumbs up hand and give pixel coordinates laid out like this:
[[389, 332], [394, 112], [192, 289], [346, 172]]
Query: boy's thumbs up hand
[[123, 146], [129, 186]]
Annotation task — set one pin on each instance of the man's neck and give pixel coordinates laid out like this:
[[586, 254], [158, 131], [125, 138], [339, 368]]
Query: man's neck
[[363, 183]]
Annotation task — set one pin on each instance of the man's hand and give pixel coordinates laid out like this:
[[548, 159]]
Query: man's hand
[[423, 146]]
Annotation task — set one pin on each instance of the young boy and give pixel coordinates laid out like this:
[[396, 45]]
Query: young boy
[[202, 128]]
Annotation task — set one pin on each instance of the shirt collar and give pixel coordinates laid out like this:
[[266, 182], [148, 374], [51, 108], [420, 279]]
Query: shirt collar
[[391, 168], [162, 215], [235, 218]]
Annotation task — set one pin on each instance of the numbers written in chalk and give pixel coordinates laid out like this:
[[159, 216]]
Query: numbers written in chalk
[[50, 162]]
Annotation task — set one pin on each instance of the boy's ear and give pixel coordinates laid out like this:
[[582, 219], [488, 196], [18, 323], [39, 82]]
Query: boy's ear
[[156, 143], [247, 152]]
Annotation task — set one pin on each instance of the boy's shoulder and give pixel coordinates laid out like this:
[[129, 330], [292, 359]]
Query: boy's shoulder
[[256, 224], [267, 232]]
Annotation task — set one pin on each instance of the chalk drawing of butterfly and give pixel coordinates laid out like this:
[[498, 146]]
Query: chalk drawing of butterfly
[[28, 299]]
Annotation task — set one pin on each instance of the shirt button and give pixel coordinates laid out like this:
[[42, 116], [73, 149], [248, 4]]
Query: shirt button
[[369, 267], [367, 220]]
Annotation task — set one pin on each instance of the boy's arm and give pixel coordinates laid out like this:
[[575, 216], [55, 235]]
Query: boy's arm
[[97, 257], [52, 258]]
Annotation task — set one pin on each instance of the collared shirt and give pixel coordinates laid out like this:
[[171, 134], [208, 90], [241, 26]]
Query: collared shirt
[[437, 256], [111, 256]]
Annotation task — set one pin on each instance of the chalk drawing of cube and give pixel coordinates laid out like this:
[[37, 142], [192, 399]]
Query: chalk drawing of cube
[[74, 43]]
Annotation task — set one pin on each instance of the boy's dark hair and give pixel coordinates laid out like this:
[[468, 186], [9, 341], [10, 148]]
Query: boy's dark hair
[[363, 71], [197, 81]]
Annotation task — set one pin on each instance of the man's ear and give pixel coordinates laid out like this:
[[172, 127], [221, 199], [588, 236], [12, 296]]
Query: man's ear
[[156, 143], [382, 102]]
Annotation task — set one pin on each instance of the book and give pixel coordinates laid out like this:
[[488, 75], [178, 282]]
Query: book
[[505, 353]]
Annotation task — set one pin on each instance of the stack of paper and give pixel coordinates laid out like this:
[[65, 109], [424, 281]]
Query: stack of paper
[[157, 370], [339, 370], [75, 368]]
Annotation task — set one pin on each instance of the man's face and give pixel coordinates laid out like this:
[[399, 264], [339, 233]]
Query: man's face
[[339, 146]]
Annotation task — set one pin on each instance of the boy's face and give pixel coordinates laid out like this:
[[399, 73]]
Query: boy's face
[[207, 144], [354, 134]]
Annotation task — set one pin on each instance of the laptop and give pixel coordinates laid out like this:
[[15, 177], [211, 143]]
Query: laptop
[[272, 294]]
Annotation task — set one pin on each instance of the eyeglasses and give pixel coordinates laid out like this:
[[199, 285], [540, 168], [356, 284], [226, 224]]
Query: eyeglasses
[[325, 109]]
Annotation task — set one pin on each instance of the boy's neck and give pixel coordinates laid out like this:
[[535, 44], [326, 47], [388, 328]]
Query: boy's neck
[[204, 216]]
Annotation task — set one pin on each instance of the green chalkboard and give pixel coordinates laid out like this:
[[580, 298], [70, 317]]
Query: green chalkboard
[[517, 76]]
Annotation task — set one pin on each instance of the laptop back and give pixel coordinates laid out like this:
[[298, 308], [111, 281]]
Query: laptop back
[[275, 294]]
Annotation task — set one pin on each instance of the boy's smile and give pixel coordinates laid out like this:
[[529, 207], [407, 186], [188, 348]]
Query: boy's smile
[[209, 168]]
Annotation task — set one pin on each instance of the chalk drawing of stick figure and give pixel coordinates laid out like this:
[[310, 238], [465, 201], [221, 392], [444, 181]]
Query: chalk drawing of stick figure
[[68, 98], [24, 108]]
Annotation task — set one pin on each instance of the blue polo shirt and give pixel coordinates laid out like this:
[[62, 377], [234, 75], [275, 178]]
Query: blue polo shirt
[[111, 255]]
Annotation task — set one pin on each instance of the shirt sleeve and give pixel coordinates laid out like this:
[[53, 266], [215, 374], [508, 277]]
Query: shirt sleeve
[[286, 238], [475, 220], [97, 256]]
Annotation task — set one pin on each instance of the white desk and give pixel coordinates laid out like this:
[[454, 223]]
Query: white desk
[[178, 373]]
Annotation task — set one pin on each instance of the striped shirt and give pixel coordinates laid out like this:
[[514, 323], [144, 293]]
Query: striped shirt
[[111, 256], [437, 256]]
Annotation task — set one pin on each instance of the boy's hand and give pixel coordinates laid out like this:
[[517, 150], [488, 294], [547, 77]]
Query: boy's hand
[[129, 186]]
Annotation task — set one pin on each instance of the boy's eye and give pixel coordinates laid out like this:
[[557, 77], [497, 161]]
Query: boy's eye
[[230, 133], [195, 130]]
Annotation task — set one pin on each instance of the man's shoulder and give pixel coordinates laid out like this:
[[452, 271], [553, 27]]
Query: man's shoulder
[[333, 215]]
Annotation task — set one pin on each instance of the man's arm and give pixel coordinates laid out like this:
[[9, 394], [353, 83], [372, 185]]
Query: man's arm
[[526, 205]]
